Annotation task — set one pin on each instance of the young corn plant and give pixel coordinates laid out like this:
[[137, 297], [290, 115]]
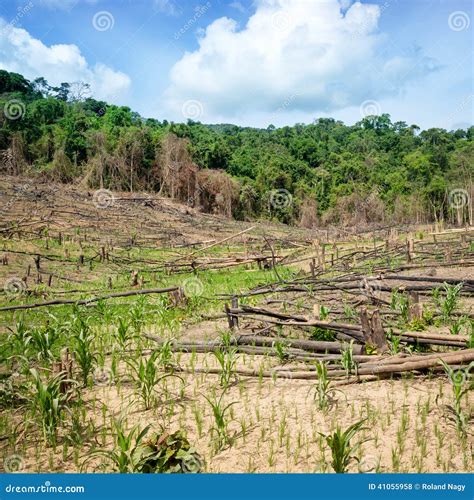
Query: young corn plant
[[221, 421], [450, 302], [165, 356], [347, 359], [123, 334], [457, 327], [137, 314], [49, 400], [324, 312], [401, 303], [20, 337], [281, 351], [227, 361], [146, 378], [342, 451], [462, 383], [125, 456], [43, 340], [323, 393], [84, 355]]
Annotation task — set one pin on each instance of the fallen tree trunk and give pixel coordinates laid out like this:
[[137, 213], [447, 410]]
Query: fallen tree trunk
[[59, 302], [306, 345], [364, 373], [252, 344]]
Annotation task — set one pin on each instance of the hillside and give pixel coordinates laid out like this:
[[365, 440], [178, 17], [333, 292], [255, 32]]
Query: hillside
[[315, 175]]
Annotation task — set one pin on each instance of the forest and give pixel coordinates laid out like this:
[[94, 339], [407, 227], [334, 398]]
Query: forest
[[314, 175]]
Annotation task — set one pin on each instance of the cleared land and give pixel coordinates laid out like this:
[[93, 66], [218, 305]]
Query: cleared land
[[255, 340]]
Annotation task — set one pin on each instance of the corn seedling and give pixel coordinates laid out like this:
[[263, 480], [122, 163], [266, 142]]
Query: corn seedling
[[461, 384], [449, 303], [83, 353], [323, 393], [227, 361], [125, 457], [146, 378], [281, 351], [342, 450], [219, 412], [347, 358], [49, 400]]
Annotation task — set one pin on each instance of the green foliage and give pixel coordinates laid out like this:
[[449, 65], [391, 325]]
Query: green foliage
[[49, 401], [227, 361], [168, 453], [125, 457], [373, 170], [347, 358], [449, 303], [462, 382], [147, 378], [281, 351], [342, 450], [160, 453], [323, 393], [221, 421]]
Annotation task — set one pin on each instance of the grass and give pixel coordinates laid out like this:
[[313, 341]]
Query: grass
[[274, 426]]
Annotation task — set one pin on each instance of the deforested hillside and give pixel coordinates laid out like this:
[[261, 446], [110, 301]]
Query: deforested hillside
[[324, 173]]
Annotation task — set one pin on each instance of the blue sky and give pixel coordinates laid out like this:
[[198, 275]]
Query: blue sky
[[254, 62]]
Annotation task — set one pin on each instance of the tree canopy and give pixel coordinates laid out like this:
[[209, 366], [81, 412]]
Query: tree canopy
[[376, 169]]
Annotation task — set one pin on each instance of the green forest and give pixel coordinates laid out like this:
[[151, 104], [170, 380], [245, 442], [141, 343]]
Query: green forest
[[373, 172]]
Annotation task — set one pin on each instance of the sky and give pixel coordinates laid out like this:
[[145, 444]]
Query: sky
[[254, 62]]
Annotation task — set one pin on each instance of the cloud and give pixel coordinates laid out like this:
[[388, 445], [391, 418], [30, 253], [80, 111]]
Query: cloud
[[21, 53], [238, 6], [167, 7], [301, 55]]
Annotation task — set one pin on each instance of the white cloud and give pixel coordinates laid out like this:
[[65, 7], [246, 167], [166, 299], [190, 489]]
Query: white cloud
[[21, 53], [238, 6], [168, 7], [309, 53]]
